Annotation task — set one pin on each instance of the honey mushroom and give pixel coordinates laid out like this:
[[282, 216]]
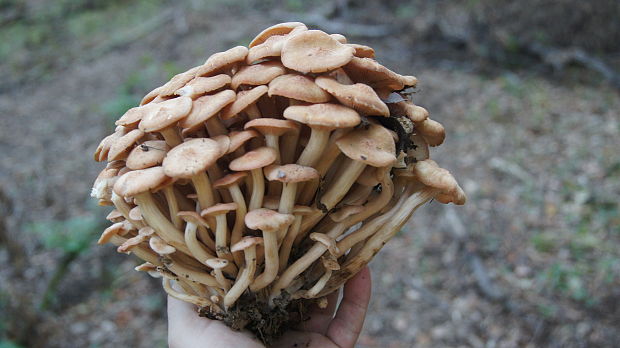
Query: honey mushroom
[[204, 113], [202, 85], [219, 211], [299, 211], [217, 265], [254, 161], [257, 74], [163, 120], [231, 182], [248, 246]]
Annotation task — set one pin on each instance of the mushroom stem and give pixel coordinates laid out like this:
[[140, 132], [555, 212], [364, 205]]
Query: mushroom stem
[[287, 202], [154, 218], [247, 276], [271, 261], [287, 243], [189, 273], [221, 236], [239, 226], [124, 209], [197, 250], [258, 189], [289, 147], [205, 237], [173, 206], [198, 301], [253, 112], [202, 184], [215, 127], [318, 286], [219, 276], [171, 136], [308, 190], [272, 141], [314, 149]]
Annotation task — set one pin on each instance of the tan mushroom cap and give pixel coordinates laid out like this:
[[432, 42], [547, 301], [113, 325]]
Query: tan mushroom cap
[[116, 229], [229, 180], [148, 154], [120, 147], [223, 141], [432, 131], [339, 37], [101, 153], [359, 96], [259, 158], [373, 146], [325, 115], [216, 263], [206, 107], [202, 85], [169, 113], [159, 246], [329, 242], [314, 51], [457, 196], [134, 115], [221, 61], [290, 173], [115, 216], [362, 51], [191, 157], [406, 108], [369, 71], [272, 126], [135, 213], [218, 209], [151, 95], [278, 29], [267, 220], [246, 242], [346, 211], [430, 174], [257, 74], [330, 262], [298, 87], [272, 47], [271, 202], [244, 99], [237, 139], [177, 82], [193, 218], [139, 181]]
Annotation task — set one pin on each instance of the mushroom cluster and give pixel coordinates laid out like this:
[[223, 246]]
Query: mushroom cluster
[[265, 178]]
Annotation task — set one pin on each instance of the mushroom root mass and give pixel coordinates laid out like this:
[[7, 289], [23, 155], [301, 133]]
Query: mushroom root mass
[[259, 182]]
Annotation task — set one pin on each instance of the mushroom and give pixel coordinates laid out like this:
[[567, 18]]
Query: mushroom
[[329, 265], [432, 131], [143, 234], [298, 87], [269, 222], [177, 81], [115, 216], [217, 265], [257, 74], [430, 174], [314, 51], [406, 108], [245, 102], [202, 85], [299, 211], [159, 246], [272, 129], [205, 112], [362, 51], [231, 182], [219, 211], [359, 96], [148, 154], [248, 246], [369, 71], [164, 119], [278, 29], [322, 119], [121, 146], [254, 161], [222, 62]]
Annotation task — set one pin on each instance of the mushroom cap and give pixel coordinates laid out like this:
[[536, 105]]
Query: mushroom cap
[[406, 108], [206, 107], [430, 174], [216, 263], [298, 87], [134, 115], [136, 214], [191, 157], [272, 126], [257, 74], [223, 141], [177, 81], [160, 246], [278, 29], [359, 96], [432, 131], [368, 177], [115, 216], [369, 71], [113, 230], [221, 61], [326, 240], [330, 262], [192, 217], [346, 211], [139, 181], [362, 51], [246, 242], [314, 51], [290, 173], [219, 209], [146, 231], [325, 115], [121, 145], [259, 158], [244, 99], [151, 95], [169, 113], [101, 153], [229, 180], [272, 47], [148, 154], [202, 85], [267, 220], [237, 139], [373, 146], [339, 37], [457, 196]]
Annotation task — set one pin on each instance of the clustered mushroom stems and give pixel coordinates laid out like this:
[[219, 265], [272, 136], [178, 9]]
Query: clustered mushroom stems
[[339, 183]]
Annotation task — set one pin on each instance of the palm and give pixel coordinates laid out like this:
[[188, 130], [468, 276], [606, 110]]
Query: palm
[[324, 330]]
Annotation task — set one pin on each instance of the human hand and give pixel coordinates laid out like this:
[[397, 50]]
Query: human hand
[[322, 330]]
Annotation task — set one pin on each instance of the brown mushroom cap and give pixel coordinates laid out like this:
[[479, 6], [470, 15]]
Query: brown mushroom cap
[[169, 113], [191, 157], [339, 37], [368, 177], [267, 220], [218, 209], [151, 95], [245, 243], [148, 154], [118, 149], [326, 240], [115, 216], [177, 81], [432, 131], [290, 173], [229, 180], [257, 74], [272, 47], [237, 139], [362, 51], [359, 96], [325, 115], [138, 181], [373, 146], [406, 108], [206, 107], [193, 218], [259, 158], [223, 141], [430, 174], [159, 246], [134, 115], [221, 61], [369, 71], [314, 51], [116, 229], [278, 29], [298, 87], [216, 263], [202, 85], [272, 126], [244, 99]]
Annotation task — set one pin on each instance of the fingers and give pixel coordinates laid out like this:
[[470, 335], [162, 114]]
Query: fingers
[[320, 318], [347, 325]]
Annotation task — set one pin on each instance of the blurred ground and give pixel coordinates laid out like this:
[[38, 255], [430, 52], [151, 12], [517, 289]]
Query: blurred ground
[[531, 260]]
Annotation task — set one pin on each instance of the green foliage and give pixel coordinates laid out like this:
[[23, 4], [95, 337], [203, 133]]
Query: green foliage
[[568, 281], [543, 242], [72, 236], [9, 344]]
